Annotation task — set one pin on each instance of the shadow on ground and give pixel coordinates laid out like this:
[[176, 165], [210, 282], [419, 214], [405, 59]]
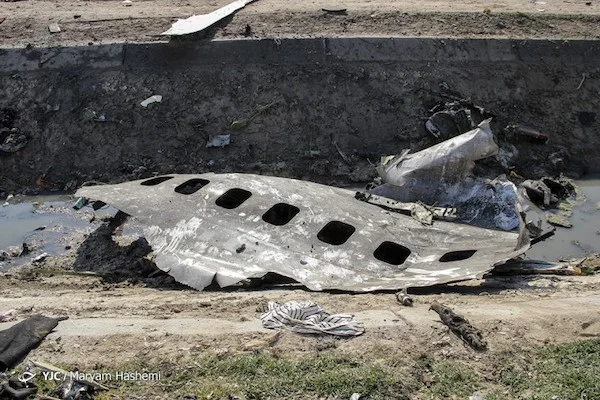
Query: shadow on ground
[[102, 254]]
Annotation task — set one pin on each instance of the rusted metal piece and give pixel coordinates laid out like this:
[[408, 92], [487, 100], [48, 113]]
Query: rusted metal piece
[[532, 134], [318, 235]]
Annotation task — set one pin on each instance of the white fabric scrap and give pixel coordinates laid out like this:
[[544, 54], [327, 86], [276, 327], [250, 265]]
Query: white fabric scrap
[[6, 316], [308, 317]]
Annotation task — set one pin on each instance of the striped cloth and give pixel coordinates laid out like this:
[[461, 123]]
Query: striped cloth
[[308, 317]]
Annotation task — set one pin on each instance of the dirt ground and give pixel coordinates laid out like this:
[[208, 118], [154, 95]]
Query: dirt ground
[[83, 22]]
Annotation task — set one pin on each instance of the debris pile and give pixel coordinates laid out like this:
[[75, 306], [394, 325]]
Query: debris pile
[[442, 175], [450, 119]]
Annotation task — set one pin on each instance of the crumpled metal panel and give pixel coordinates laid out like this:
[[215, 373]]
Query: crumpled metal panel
[[439, 172], [197, 241]]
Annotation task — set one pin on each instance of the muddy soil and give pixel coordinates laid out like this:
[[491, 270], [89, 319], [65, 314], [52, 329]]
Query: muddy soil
[[109, 21], [326, 112]]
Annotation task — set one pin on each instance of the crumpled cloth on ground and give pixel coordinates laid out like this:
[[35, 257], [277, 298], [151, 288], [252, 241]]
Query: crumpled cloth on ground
[[308, 317]]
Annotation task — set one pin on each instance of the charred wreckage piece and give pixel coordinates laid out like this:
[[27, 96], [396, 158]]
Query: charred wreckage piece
[[225, 228]]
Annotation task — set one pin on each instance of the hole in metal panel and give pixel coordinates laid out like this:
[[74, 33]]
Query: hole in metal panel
[[457, 255], [336, 233], [233, 198], [156, 181], [191, 186], [280, 214], [391, 253]]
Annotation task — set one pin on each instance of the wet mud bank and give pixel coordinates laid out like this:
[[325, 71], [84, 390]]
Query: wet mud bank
[[318, 109]]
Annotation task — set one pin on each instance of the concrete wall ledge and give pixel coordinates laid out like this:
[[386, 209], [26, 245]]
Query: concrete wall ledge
[[182, 54]]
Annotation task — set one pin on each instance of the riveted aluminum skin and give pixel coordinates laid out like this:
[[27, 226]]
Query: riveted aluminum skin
[[197, 241]]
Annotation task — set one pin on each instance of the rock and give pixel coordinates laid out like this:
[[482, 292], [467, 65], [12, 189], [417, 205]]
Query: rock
[[558, 220], [14, 142]]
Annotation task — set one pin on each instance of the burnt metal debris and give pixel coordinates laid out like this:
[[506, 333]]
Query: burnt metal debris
[[320, 236], [460, 326]]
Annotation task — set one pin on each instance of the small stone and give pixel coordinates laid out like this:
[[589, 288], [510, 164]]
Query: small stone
[[54, 28], [558, 220]]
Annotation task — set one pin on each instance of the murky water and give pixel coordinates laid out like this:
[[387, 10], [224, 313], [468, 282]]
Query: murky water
[[580, 240], [47, 224]]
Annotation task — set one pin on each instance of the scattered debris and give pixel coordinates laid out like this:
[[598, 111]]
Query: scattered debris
[[530, 267], [356, 396], [17, 390], [455, 118], [197, 23], [460, 326], [341, 153], [73, 386], [404, 299], [80, 203], [558, 220], [309, 250], [18, 340], [7, 315], [39, 258], [241, 123], [157, 98], [308, 317], [547, 192], [439, 213], [532, 134], [219, 141], [54, 28], [92, 116], [422, 213], [583, 78]]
